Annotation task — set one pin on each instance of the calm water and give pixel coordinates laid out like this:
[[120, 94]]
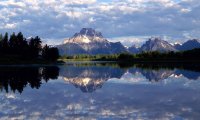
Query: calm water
[[100, 91]]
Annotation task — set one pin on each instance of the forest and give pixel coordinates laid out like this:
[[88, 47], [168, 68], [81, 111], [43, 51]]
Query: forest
[[18, 49]]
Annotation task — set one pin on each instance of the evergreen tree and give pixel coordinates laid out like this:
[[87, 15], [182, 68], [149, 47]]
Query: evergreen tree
[[5, 45], [20, 39], [1, 38], [35, 46], [12, 41]]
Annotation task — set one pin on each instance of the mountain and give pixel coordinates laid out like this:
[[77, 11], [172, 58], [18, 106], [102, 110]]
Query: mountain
[[188, 45], [156, 44], [117, 47], [133, 49], [177, 46], [89, 41]]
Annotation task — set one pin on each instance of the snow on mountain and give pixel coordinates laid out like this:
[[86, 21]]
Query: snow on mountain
[[89, 41], [156, 44], [86, 35]]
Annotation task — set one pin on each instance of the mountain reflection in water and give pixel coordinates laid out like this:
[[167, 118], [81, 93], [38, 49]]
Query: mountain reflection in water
[[91, 77], [86, 77]]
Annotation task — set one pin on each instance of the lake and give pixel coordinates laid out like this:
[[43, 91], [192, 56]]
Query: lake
[[83, 90]]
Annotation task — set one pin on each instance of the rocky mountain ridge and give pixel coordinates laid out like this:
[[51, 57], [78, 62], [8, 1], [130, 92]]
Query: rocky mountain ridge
[[188, 45], [90, 41], [157, 44]]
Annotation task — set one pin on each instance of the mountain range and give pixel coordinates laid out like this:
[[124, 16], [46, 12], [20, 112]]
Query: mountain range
[[89, 41]]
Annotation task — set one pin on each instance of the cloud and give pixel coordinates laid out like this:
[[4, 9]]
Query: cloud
[[10, 26], [130, 40], [59, 19]]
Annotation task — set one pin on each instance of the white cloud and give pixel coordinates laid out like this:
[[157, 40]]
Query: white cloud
[[74, 14], [185, 10], [92, 19], [12, 3], [130, 40], [58, 19], [10, 26]]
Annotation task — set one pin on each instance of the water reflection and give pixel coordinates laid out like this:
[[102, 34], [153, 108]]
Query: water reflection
[[114, 91], [17, 78], [89, 77]]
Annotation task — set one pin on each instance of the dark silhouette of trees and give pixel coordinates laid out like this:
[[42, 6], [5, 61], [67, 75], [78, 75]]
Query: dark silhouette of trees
[[50, 53], [17, 78], [12, 41], [35, 47], [18, 47], [182, 56], [4, 43]]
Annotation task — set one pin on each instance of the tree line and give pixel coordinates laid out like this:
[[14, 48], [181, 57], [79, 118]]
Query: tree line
[[181, 56], [16, 46], [154, 56]]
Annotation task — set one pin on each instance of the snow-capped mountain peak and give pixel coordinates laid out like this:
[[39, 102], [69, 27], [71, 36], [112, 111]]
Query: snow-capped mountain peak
[[89, 41], [86, 35]]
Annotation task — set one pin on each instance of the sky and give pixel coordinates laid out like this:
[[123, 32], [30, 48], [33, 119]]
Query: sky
[[128, 21]]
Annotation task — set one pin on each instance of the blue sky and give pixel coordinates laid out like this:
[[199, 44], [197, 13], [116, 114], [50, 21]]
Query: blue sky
[[128, 21]]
